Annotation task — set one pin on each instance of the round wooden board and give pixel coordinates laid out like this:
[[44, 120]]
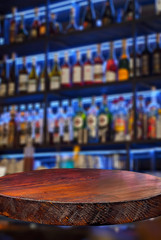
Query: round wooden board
[[80, 197]]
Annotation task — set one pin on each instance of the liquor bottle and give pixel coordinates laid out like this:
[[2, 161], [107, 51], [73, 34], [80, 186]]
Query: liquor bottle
[[145, 60], [123, 68], [129, 11], [42, 28], [138, 63], [77, 71], [23, 78], [141, 119], [12, 76], [54, 26], [79, 124], [111, 66], [12, 129], [98, 66], [152, 115], [158, 6], [4, 80], [68, 125], [50, 125], [72, 26], [42, 78], [5, 120], [22, 126], [92, 125], [104, 122], [88, 69], [33, 78], [13, 26], [56, 132], [38, 124], [108, 15], [34, 32], [158, 127], [120, 123], [66, 73], [156, 57], [30, 123], [130, 121], [21, 32], [55, 75], [89, 19]]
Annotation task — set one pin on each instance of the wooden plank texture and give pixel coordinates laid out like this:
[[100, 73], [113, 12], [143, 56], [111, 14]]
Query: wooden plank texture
[[80, 197]]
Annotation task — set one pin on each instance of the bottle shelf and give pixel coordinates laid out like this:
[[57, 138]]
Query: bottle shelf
[[28, 47], [120, 145]]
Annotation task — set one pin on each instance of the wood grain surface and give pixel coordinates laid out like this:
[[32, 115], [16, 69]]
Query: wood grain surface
[[80, 197]]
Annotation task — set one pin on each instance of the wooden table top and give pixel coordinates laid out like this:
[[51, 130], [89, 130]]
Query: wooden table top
[[80, 197]]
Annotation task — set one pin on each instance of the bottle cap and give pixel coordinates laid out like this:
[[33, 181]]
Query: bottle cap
[[158, 37], [53, 16], [14, 11], [78, 55], [66, 56], [34, 61], [24, 60], [13, 56], [98, 48], [5, 57], [153, 88]]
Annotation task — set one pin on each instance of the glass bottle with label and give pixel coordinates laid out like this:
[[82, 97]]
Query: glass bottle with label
[[54, 26], [130, 121], [56, 131], [88, 69], [156, 57], [72, 23], [50, 125], [42, 78], [120, 123], [141, 119], [104, 122], [5, 120], [3, 78], [98, 66], [123, 68], [92, 124], [30, 123], [22, 126], [42, 28], [55, 75], [66, 73], [108, 15], [152, 115], [77, 71], [34, 32], [39, 124], [89, 19], [111, 66], [12, 129], [13, 26], [158, 6], [68, 125], [138, 62], [145, 60], [79, 124], [12, 76], [22, 32], [33, 78], [23, 78]]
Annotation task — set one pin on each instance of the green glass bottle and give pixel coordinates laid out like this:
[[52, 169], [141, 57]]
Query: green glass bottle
[[104, 122], [79, 124], [33, 78], [55, 75]]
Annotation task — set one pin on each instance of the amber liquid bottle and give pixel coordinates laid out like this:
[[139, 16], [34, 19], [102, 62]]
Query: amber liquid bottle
[[12, 129], [35, 28], [145, 60], [89, 16], [123, 69], [156, 57], [4, 80], [12, 76]]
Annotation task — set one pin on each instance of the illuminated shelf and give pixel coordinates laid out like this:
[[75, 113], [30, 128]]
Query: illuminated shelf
[[122, 145], [22, 98], [28, 47]]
